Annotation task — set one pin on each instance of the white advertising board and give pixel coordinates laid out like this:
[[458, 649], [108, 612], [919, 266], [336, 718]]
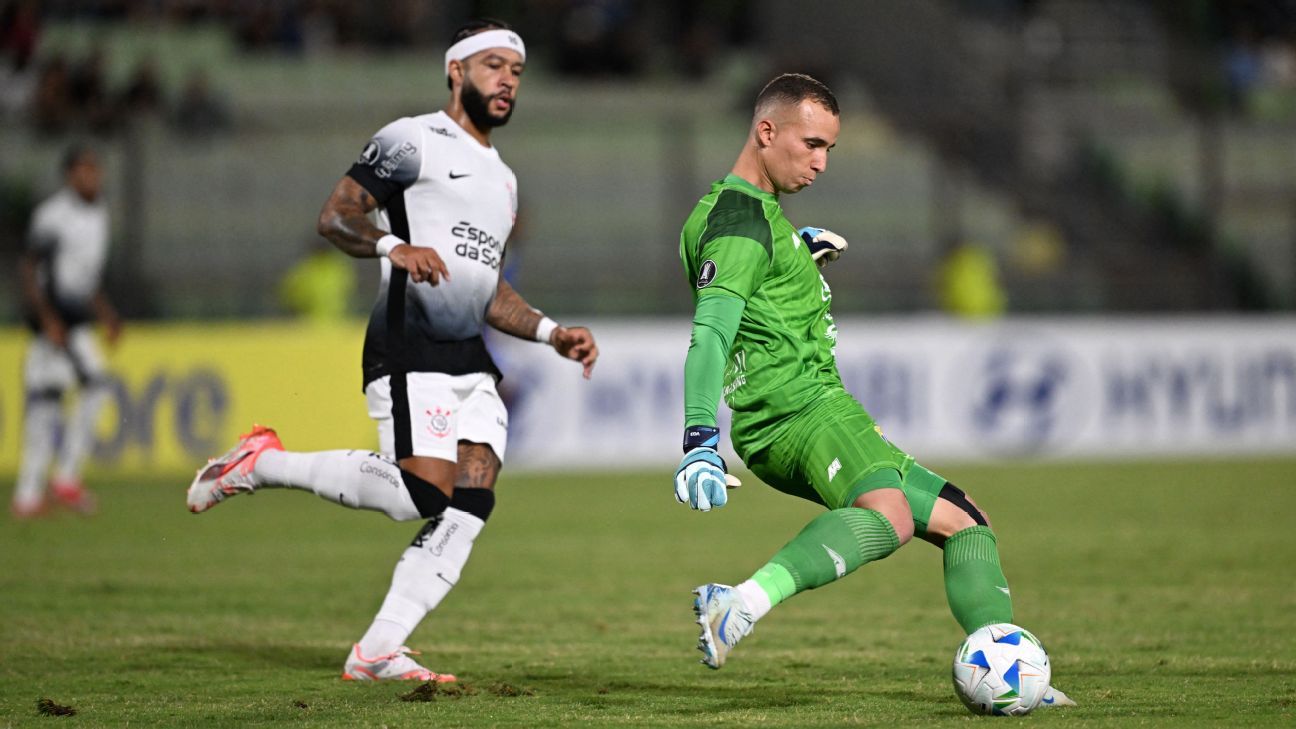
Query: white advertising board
[[945, 390]]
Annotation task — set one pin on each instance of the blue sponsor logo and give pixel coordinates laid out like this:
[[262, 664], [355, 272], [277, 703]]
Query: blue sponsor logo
[[200, 403], [1026, 395]]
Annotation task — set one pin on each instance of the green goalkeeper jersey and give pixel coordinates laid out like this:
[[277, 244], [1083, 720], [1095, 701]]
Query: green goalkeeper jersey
[[738, 244]]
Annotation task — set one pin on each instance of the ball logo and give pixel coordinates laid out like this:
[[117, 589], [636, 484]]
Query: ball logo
[[1025, 395], [370, 153], [707, 274]]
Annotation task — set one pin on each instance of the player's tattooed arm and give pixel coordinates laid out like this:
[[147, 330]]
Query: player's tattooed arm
[[344, 221], [510, 313]]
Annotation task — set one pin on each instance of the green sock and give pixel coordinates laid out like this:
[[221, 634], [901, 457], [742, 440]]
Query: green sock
[[974, 582], [830, 547]]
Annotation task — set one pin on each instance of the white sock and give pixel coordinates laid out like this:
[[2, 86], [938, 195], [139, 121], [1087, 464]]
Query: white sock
[[758, 603], [40, 421], [357, 479], [79, 434], [422, 578], [381, 635]]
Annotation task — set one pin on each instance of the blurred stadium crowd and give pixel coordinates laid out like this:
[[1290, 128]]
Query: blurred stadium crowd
[[1035, 155]]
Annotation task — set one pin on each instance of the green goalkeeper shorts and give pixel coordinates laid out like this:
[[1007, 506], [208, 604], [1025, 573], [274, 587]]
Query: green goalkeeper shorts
[[832, 452]]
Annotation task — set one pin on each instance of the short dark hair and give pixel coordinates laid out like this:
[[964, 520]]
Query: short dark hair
[[793, 88], [73, 155], [473, 27], [477, 25]]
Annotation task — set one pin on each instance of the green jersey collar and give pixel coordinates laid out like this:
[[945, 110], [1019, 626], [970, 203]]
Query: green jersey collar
[[732, 180]]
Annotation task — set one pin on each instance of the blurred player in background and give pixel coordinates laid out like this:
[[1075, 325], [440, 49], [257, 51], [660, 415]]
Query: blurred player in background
[[61, 277], [764, 336], [445, 205]]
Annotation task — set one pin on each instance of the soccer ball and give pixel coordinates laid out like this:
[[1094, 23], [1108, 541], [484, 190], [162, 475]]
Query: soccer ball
[[1001, 669]]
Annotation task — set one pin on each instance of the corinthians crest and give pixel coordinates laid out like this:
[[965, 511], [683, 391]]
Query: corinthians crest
[[439, 422]]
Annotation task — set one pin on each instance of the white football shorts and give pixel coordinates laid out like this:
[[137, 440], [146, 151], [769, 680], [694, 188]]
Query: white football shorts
[[429, 413], [50, 368]]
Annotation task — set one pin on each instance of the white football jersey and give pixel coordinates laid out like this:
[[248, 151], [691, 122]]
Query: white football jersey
[[70, 239], [436, 187]]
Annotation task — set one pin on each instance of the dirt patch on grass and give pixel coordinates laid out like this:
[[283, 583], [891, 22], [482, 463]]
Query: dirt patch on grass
[[47, 707], [508, 690], [431, 691]]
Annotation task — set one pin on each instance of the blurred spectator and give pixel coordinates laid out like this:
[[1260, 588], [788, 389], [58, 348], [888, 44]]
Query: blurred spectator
[[88, 92], [320, 287], [143, 93], [200, 111], [87, 87], [52, 109], [1039, 249], [707, 30], [1242, 67], [19, 34], [319, 30], [270, 26], [599, 38], [1280, 62], [1254, 41], [587, 37], [969, 283]]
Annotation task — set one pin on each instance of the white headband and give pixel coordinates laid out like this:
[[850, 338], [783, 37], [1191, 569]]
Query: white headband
[[480, 42]]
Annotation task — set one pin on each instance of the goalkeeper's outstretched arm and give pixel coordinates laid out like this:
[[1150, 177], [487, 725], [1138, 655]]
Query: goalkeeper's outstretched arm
[[715, 324], [702, 477]]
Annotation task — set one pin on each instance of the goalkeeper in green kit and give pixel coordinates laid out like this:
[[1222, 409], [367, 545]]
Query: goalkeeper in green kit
[[763, 337]]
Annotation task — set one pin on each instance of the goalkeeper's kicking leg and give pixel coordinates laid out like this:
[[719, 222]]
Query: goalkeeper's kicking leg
[[935, 509], [975, 585], [831, 546]]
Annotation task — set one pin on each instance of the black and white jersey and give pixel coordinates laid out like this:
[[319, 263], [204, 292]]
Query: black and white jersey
[[69, 238], [436, 187]]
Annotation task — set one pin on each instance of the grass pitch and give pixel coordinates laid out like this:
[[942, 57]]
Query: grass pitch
[[1166, 595]]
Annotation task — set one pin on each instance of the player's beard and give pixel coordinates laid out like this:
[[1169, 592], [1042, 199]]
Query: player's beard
[[477, 107]]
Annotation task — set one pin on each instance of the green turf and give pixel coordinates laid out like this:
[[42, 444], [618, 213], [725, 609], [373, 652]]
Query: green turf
[[1165, 593]]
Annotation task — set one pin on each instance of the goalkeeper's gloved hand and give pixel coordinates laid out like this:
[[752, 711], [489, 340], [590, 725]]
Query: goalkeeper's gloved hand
[[825, 246], [701, 478]]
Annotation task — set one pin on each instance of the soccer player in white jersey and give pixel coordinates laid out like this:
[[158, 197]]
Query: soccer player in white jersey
[[61, 275], [431, 198]]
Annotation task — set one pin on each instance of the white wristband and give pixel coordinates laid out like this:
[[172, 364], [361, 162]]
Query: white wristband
[[545, 329], [386, 243]]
